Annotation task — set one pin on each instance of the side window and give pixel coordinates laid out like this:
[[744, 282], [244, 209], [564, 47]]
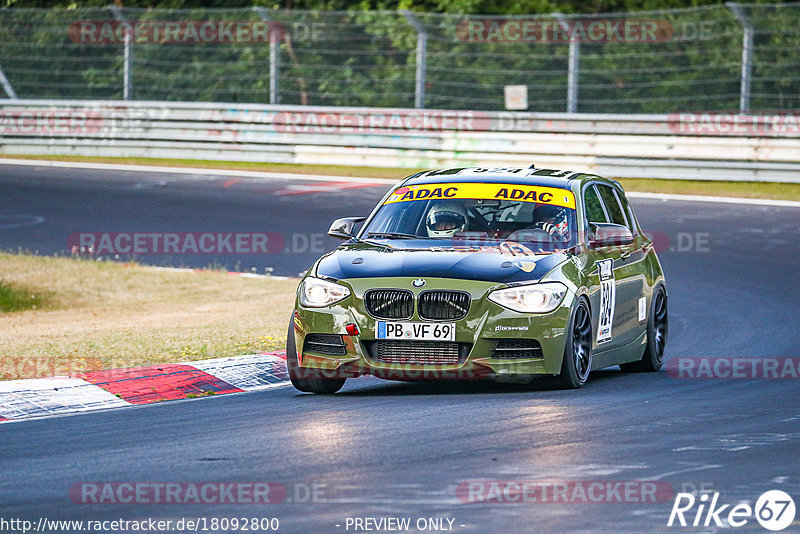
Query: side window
[[626, 206], [612, 205], [594, 209]]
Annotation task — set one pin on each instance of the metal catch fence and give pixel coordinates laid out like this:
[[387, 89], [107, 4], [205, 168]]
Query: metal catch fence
[[736, 57]]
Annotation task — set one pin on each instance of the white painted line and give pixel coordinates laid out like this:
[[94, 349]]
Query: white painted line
[[254, 275], [232, 273], [170, 269], [282, 176], [726, 200], [323, 186], [10, 222], [355, 179]]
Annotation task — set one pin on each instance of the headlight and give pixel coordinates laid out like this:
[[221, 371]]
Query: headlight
[[532, 298], [316, 293]]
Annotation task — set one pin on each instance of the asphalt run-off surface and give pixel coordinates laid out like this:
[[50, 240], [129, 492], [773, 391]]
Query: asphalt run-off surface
[[389, 449]]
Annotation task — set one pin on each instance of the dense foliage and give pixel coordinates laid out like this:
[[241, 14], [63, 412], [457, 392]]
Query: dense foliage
[[507, 7], [367, 57]]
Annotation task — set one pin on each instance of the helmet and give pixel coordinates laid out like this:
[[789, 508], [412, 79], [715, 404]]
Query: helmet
[[555, 215], [445, 219]]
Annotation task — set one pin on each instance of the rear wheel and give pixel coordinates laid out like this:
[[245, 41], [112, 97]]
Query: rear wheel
[[577, 362], [305, 379], [657, 328]]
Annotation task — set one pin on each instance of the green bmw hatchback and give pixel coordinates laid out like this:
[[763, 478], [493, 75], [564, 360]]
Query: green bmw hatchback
[[482, 273]]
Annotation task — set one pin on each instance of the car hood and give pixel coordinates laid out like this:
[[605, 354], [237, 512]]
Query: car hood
[[500, 263]]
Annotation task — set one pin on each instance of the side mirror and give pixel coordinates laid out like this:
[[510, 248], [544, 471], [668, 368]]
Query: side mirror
[[608, 235], [343, 228]]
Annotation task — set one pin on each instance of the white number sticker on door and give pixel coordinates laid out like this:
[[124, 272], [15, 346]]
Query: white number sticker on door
[[608, 296]]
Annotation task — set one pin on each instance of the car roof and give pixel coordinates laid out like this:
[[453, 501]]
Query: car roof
[[507, 175]]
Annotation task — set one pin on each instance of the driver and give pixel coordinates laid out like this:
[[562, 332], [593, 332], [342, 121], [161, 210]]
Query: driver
[[553, 220], [445, 219]]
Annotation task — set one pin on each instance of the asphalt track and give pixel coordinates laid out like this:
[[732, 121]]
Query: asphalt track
[[387, 449]]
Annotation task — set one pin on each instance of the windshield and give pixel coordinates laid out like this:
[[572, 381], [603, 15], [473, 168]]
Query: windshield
[[478, 214]]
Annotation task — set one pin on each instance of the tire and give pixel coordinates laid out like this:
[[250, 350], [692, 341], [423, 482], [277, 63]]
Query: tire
[[304, 379], [657, 329], [577, 362]]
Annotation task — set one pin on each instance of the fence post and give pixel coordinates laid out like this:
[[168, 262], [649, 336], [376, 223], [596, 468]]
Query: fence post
[[7, 85], [422, 47], [747, 54], [274, 56], [127, 69], [572, 66]]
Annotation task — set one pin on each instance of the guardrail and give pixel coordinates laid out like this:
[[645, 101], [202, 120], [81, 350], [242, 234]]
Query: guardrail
[[687, 146]]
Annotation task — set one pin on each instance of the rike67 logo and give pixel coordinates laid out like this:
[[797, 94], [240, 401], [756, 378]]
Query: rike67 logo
[[774, 510]]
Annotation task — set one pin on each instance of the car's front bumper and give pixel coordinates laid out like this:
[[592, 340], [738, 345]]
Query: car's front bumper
[[478, 332]]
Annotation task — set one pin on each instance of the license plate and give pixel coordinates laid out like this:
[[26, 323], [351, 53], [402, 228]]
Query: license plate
[[416, 331]]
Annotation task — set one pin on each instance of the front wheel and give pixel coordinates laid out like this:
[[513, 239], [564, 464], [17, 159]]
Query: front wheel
[[657, 328], [305, 379], [577, 362]]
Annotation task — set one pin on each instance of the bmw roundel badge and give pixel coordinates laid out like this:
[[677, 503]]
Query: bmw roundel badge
[[419, 282]]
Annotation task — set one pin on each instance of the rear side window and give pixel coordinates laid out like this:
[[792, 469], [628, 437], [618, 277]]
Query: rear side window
[[594, 209], [612, 205]]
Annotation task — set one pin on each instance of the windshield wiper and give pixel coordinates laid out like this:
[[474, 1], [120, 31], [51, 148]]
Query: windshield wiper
[[395, 235]]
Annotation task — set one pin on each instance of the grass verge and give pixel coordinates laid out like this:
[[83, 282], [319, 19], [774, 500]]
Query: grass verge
[[767, 190], [104, 315], [18, 297]]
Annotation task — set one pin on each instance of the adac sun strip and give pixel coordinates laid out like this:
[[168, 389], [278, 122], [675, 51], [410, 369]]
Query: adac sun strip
[[520, 193]]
